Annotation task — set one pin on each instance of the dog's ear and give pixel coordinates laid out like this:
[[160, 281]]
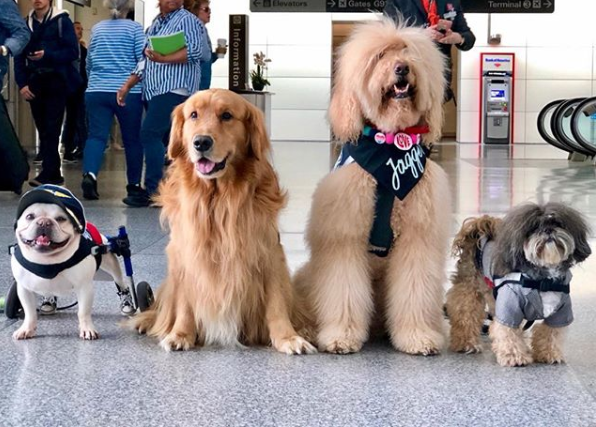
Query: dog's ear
[[176, 145], [345, 115], [258, 140], [434, 120]]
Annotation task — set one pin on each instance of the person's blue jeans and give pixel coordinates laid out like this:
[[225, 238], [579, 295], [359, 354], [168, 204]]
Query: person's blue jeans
[[155, 130], [101, 108]]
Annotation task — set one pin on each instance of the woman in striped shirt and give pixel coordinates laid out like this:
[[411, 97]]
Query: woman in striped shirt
[[168, 80], [115, 49]]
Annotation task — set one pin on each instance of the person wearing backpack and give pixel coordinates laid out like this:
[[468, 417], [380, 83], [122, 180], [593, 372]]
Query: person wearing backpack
[[46, 76]]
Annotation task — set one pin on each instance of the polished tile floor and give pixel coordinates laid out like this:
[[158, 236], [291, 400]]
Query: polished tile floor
[[126, 380]]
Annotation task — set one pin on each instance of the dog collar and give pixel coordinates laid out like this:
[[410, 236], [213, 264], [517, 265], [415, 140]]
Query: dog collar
[[403, 139]]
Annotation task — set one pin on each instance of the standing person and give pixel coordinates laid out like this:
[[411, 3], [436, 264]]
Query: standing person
[[75, 126], [14, 36], [168, 80], [45, 75], [445, 21], [115, 49], [202, 9]]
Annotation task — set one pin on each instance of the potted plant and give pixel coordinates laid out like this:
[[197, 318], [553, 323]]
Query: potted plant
[[257, 76]]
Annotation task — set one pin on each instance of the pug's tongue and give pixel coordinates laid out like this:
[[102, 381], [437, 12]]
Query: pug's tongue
[[205, 166], [43, 240]]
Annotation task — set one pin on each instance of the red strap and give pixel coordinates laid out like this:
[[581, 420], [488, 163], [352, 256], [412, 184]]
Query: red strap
[[416, 130], [94, 233], [430, 6]]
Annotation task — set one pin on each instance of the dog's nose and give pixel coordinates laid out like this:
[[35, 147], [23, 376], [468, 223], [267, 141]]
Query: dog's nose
[[203, 143], [44, 222], [401, 70]]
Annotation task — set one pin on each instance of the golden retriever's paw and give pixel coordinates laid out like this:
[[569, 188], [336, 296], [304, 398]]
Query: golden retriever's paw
[[514, 358], [294, 345], [24, 332], [465, 347], [341, 346], [88, 333], [418, 343], [550, 357], [176, 342]]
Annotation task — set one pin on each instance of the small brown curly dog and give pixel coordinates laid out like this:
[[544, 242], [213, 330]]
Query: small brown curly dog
[[227, 281], [524, 259], [390, 78]]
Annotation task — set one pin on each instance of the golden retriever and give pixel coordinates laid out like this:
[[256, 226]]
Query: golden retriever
[[390, 78], [227, 281]]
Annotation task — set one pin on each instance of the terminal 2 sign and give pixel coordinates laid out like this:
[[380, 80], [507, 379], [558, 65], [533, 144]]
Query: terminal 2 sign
[[334, 6], [508, 6]]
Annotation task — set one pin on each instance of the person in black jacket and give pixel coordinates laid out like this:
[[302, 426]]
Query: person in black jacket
[[75, 126], [45, 74], [445, 21]]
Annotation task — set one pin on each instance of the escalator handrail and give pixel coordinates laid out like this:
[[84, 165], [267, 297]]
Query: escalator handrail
[[542, 129], [556, 123], [574, 124]]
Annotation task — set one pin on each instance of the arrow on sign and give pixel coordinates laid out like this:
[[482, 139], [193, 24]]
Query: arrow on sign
[[331, 3], [256, 3], [548, 3]]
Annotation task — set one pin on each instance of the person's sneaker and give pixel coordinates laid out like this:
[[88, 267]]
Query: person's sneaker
[[42, 179], [126, 306], [77, 153], [69, 158], [49, 305], [38, 159], [89, 187], [137, 196]]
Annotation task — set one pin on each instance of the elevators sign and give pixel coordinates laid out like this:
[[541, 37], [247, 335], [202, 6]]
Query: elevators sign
[[500, 62], [335, 6], [238, 53], [508, 6]]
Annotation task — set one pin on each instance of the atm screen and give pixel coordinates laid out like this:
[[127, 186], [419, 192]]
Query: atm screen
[[497, 93]]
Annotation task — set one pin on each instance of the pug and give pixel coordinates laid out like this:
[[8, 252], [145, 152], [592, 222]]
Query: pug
[[54, 255]]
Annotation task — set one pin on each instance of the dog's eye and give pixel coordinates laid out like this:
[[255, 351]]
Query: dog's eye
[[226, 116], [380, 55], [194, 115], [61, 219], [30, 217]]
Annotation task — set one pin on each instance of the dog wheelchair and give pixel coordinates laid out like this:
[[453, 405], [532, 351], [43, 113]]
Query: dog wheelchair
[[134, 299]]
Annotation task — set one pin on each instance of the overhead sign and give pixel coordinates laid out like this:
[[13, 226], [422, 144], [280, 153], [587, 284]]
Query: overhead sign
[[508, 6], [335, 6]]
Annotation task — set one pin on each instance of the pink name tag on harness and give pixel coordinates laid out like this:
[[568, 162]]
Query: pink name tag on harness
[[401, 140]]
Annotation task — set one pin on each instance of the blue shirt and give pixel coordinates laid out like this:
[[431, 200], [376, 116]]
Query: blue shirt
[[159, 79], [14, 33], [115, 49], [211, 57]]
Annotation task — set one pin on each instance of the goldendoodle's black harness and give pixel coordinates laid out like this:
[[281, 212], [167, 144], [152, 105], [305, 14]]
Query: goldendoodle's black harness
[[397, 162]]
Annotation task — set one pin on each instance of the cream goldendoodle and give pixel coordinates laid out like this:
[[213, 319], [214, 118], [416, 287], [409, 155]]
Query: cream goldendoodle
[[379, 222]]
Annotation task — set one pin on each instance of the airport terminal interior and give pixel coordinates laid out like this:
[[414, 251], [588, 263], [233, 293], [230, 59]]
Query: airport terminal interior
[[546, 153]]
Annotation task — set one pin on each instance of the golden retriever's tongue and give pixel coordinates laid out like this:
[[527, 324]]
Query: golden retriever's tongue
[[43, 240], [205, 166]]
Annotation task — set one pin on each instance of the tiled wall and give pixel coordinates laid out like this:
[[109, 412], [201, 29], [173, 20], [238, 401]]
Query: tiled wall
[[554, 56]]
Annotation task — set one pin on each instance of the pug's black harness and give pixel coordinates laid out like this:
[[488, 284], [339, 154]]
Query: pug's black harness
[[91, 243]]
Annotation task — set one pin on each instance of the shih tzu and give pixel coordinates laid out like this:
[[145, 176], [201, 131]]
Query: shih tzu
[[520, 268]]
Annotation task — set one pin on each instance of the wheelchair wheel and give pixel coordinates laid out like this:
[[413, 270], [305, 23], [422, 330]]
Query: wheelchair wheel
[[13, 308], [144, 296]]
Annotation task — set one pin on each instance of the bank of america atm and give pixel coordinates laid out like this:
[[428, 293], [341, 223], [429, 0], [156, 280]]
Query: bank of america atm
[[496, 115]]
